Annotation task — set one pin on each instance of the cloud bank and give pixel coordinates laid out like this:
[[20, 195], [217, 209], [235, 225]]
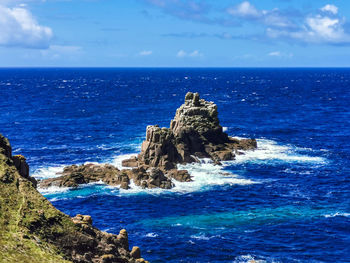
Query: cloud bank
[[18, 28], [324, 26]]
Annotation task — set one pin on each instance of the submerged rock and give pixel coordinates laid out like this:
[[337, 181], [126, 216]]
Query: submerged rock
[[33, 230]]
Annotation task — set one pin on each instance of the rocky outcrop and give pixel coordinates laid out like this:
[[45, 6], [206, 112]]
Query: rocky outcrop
[[195, 132], [74, 175], [33, 230]]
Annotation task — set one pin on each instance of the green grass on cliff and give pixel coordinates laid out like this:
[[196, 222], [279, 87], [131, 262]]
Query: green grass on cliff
[[27, 220]]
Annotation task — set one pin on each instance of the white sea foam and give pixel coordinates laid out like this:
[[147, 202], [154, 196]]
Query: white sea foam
[[206, 174], [48, 172], [117, 161], [269, 150], [53, 190], [151, 235], [338, 214], [200, 237], [248, 259]]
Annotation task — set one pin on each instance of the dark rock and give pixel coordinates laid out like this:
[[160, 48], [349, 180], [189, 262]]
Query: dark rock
[[73, 176], [135, 252], [150, 178], [123, 239], [132, 162], [179, 175], [195, 132]]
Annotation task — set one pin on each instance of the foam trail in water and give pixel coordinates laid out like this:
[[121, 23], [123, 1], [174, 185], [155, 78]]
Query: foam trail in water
[[269, 151], [205, 175]]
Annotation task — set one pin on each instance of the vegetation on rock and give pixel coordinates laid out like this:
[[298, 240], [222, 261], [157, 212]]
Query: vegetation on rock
[[33, 230]]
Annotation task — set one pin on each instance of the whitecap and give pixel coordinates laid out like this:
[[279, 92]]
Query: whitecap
[[151, 235], [48, 172], [205, 175], [200, 237], [53, 190], [248, 259], [269, 151], [337, 214]]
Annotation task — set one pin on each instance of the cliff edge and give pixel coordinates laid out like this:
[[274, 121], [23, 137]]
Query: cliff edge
[[33, 230]]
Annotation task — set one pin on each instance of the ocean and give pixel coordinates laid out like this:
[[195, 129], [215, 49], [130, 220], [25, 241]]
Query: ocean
[[287, 201]]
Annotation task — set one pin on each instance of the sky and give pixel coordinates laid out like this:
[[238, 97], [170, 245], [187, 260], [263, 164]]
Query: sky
[[174, 33]]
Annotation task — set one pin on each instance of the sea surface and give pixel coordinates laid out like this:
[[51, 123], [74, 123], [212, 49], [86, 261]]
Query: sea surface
[[287, 201]]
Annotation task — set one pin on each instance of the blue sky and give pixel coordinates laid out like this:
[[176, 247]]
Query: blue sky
[[174, 33]]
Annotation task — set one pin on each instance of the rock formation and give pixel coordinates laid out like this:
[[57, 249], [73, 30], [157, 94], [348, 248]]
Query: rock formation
[[74, 175], [195, 132], [33, 230]]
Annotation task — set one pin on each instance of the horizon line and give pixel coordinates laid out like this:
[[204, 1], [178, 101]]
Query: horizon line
[[168, 67]]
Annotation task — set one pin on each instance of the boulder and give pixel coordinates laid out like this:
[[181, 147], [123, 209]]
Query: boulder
[[179, 175], [132, 162], [135, 252]]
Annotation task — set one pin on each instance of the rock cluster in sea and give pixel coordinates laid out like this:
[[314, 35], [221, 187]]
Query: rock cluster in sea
[[33, 230], [195, 132]]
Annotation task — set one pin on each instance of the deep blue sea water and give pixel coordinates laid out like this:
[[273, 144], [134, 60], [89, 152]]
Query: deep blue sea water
[[288, 201]]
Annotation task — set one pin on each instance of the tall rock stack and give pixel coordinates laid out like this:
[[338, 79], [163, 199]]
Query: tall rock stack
[[195, 132]]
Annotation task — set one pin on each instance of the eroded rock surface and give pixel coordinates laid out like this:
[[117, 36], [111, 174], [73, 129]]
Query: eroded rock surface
[[195, 132]]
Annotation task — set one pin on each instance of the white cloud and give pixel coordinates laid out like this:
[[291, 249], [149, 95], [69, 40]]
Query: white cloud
[[195, 53], [275, 54], [325, 27], [181, 54], [145, 53], [316, 29], [330, 8], [19, 28], [280, 54], [244, 9], [248, 11]]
